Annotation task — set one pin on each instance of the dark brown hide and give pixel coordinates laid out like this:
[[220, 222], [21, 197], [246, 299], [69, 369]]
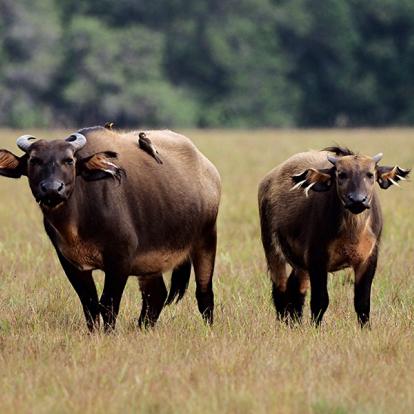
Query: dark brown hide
[[153, 218], [307, 223]]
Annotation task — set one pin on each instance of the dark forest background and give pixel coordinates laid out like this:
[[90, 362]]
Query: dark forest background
[[216, 63]]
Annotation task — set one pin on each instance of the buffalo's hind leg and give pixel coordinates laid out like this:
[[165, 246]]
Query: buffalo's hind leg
[[279, 294], [276, 265], [297, 286], [85, 287], [203, 258], [276, 262], [154, 294]]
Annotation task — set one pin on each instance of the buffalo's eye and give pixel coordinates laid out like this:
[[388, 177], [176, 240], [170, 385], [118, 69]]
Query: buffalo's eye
[[342, 175], [68, 161], [36, 161], [370, 175]]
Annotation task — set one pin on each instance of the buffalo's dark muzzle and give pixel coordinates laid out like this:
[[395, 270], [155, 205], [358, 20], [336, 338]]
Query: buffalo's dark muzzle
[[51, 193], [357, 207]]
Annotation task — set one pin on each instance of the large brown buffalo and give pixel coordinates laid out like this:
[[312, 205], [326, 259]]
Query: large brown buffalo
[[320, 213], [110, 204]]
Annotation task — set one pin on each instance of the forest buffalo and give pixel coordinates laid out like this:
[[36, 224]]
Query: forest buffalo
[[319, 213], [127, 207]]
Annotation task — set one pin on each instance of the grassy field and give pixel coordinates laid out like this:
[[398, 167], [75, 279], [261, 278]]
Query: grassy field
[[248, 362]]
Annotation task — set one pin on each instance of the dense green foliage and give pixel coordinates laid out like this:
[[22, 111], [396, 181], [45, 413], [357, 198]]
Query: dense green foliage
[[206, 63]]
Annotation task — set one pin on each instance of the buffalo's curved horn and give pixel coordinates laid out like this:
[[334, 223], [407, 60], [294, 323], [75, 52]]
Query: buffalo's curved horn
[[77, 140], [332, 160], [24, 142], [377, 157]]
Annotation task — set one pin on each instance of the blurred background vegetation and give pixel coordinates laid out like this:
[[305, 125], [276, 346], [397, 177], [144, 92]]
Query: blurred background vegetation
[[199, 63]]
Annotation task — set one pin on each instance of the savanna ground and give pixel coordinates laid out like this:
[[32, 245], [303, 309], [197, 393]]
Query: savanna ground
[[247, 362]]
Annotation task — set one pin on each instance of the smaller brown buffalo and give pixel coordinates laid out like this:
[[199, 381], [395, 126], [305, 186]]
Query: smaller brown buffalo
[[109, 205], [320, 213]]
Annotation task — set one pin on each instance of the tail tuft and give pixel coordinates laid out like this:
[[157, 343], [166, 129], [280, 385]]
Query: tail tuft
[[179, 282]]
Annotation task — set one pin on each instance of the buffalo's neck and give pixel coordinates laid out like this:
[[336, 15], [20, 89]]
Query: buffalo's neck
[[64, 219], [354, 224], [335, 221]]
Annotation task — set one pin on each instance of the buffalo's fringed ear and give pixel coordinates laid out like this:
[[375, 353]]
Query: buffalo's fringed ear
[[317, 180], [388, 176], [11, 165], [100, 166]]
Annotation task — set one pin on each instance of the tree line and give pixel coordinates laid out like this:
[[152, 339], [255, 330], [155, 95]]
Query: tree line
[[199, 63]]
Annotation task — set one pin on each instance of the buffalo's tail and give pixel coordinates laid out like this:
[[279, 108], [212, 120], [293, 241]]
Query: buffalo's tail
[[179, 282]]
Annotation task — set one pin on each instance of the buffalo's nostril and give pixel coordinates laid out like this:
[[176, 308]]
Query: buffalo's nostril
[[357, 198], [52, 187]]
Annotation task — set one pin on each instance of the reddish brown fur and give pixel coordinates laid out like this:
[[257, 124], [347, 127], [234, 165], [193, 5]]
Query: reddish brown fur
[[8, 160]]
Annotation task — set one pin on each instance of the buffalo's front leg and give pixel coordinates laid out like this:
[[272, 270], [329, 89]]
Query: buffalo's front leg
[[319, 293], [111, 298], [364, 274], [85, 287]]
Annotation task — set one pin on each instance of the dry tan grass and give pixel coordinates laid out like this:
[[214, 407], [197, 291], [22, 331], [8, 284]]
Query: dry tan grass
[[247, 362]]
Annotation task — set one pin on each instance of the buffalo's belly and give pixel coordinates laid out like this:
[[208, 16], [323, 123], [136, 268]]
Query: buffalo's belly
[[158, 261], [87, 256]]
